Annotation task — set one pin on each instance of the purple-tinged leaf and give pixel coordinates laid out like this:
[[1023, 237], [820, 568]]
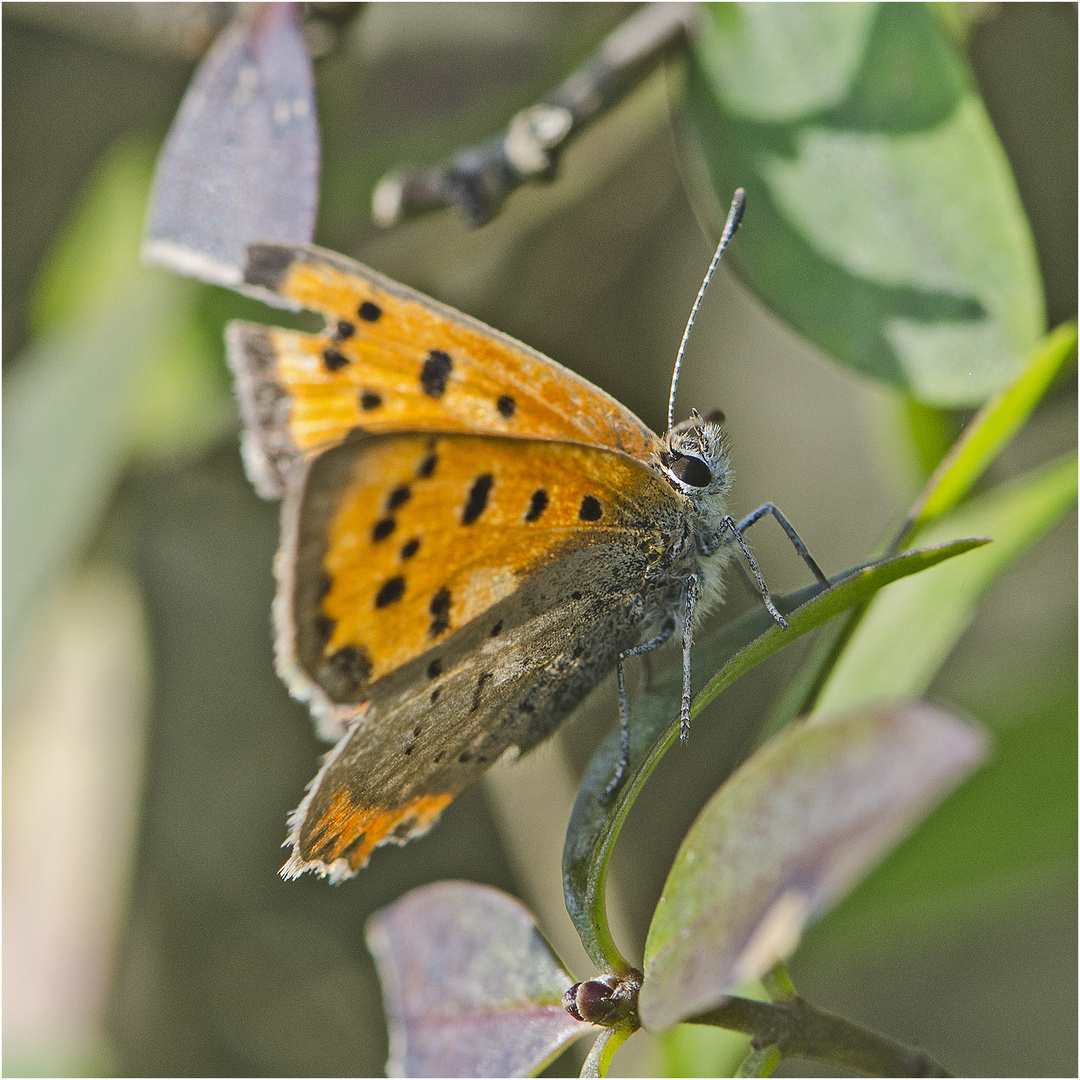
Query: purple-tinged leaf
[[470, 986], [241, 163], [789, 832]]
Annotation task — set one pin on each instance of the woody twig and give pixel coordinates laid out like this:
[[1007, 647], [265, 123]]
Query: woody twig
[[478, 179]]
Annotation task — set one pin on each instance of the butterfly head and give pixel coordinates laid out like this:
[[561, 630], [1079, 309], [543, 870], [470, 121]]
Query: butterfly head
[[695, 462]]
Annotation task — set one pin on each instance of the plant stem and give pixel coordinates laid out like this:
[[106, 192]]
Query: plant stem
[[798, 1029]]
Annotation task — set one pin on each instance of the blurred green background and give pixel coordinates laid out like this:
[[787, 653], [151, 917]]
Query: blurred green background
[[151, 755]]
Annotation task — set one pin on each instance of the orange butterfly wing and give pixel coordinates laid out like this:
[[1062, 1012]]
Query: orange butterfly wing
[[445, 597], [391, 359], [395, 542], [466, 534]]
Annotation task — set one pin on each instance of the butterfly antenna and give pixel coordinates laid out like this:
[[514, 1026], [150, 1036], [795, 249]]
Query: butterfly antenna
[[738, 205]]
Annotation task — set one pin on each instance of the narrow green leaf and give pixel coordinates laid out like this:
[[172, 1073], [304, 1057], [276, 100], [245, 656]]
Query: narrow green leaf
[[595, 821], [96, 253], [117, 369], [470, 986], [992, 430], [603, 1050], [984, 438], [789, 832], [882, 219], [908, 632], [67, 438], [761, 1062]]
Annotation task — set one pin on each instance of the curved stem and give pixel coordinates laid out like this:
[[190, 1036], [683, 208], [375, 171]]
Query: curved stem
[[798, 1029]]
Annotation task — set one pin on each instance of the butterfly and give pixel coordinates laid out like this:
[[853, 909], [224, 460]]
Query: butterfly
[[472, 537]]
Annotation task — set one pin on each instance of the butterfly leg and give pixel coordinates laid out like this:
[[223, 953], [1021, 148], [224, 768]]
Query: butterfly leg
[[793, 536], [624, 701], [693, 587], [730, 526]]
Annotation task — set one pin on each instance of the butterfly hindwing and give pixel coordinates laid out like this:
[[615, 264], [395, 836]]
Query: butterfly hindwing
[[393, 543], [505, 679], [391, 359]]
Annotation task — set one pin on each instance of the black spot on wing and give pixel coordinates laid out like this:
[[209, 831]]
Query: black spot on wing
[[383, 528], [410, 548], [390, 591], [344, 330], [478, 497], [496, 630], [435, 372], [440, 613], [370, 400], [334, 360], [506, 406], [590, 509], [427, 466], [369, 312], [434, 669], [346, 671], [324, 630], [478, 691], [537, 505], [398, 497]]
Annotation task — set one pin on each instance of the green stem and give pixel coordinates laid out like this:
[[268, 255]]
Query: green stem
[[798, 1029]]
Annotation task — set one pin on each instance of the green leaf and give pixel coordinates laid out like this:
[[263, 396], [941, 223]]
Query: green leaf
[[117, 369], [908, 632], [470, 986], [67, 426], [761, 1062], [991, 430], [882, 219], [96, 254], [700, 1050], [595, 821], [603, 1049], [789, 832], [983, 439]]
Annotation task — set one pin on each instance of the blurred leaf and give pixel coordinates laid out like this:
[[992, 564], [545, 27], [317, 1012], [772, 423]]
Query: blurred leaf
[[118, 368], [928, 429], [701, 1050], [908, 632], [790, 831], [883, 220], [1007, 836], [67, 406], [469, 985], [95, 255], [992, 430], [596, 821]]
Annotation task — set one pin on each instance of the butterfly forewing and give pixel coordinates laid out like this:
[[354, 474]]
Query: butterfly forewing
[[396, 542], [391, 359]]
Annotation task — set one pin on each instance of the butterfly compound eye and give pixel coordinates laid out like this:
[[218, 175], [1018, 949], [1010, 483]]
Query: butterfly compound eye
[[692, 471]]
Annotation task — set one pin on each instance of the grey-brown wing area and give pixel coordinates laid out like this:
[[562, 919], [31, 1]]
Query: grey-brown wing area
[[507, 679]]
